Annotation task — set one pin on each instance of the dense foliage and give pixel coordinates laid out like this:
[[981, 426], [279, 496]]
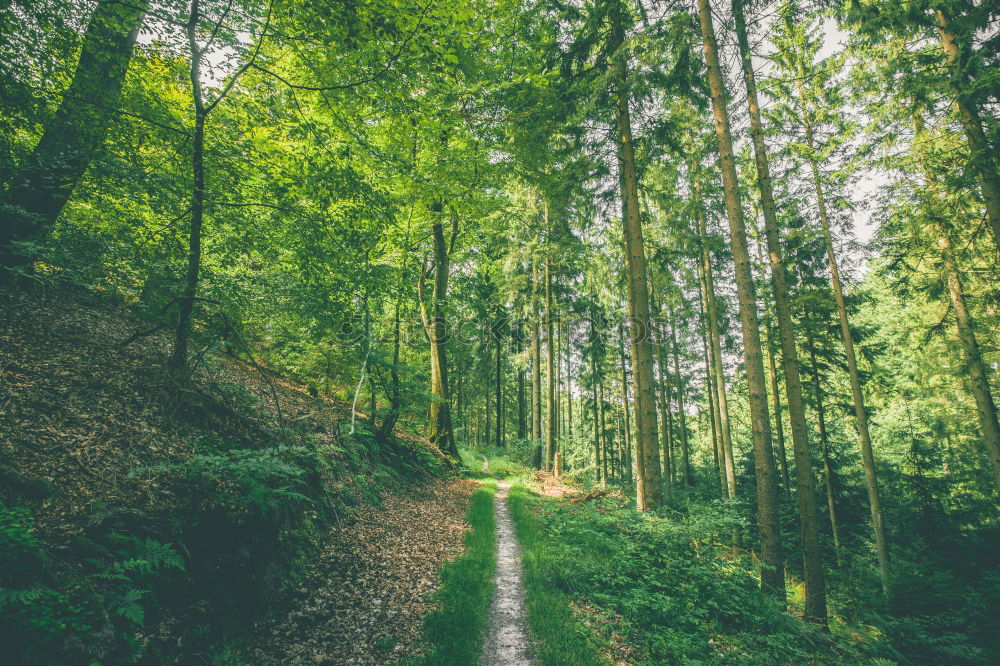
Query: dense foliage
[[757, 289]]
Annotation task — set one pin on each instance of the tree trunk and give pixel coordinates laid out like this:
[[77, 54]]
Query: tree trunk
[[439, 432], [597, 424], [604, 426], [44, 183], [815, 605], [569, 388], [982, 157], [721, 399], [779, 428], [772, 574], [857, 393], [177, 364], [666, 429], [499, 388], [536, 369], [628, 443], [975, 366], [551, 425], [681, 413], [824, 440], [395, 403], [648, 486], [714, 418], [522, 427]]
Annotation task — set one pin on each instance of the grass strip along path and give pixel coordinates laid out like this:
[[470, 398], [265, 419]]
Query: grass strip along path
[[455, 629]]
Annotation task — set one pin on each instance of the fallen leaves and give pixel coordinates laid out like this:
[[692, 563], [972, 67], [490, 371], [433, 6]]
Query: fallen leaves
[[364, 597]]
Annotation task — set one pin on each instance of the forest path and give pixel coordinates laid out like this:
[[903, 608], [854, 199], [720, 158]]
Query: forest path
[[507, 642]]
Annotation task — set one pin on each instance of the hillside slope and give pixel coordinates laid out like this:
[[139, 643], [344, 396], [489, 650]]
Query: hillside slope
[[143, 522]]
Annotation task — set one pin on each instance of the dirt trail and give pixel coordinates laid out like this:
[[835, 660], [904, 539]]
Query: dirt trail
[[507, 642]]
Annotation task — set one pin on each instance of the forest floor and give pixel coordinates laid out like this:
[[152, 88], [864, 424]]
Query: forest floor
[[364, 597]]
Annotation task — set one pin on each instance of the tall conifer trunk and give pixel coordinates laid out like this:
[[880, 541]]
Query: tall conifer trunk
[[714, 337], [647, 449], [773, 573], [812, 558], [857, 393]]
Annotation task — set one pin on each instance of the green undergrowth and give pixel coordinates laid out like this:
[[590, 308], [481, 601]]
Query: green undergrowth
[[230, 530], [656, 590], [453, 632], [560, 637]]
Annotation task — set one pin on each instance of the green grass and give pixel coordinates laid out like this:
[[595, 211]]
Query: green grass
[[455, 630], [560, 637], [500, 463]]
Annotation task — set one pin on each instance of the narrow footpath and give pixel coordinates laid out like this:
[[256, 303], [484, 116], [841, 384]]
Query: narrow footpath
[[507, 642]]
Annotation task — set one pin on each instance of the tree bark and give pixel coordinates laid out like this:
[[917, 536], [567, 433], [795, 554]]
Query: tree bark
[[718, 449], [815, 604], [44, 183], [177, 364], [666, 428], [779, 428], [772, 573], [628, 443]]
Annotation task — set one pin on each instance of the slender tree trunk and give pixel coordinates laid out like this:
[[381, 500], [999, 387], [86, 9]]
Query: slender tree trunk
[[604, 426], [666, 429], [857, 393], [772, 574], [681, 412], [560, 415], [779, 428], [648, 486], [628, 443], [522, 428], [594, 382], [177, 364], [831, 504], [499, 389], [440, 430], [815, 605], [715, 338], [975, 365], [551, 432], [569, 388], [395, 402], [718, 448], [536, 370], [982, 157], [45, 181], [489, 412]]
